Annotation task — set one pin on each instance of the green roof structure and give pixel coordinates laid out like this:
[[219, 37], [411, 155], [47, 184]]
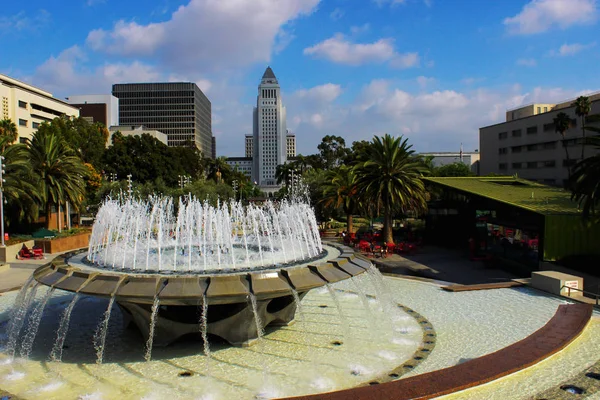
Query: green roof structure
[[514, 191]]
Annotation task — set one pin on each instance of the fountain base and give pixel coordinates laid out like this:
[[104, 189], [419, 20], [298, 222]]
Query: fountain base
[[233, 323], [180, 298]]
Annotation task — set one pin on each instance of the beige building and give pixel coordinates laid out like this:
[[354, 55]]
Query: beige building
[[28, 106], [528, 145], [291, 145], [129, 130]]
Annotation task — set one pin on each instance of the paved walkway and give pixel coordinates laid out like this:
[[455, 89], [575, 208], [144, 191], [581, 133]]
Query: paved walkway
[[566, 325], [442, 265], [19, 271]]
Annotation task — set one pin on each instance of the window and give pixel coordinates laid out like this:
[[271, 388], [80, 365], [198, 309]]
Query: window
[[22, 104], [539, 110], [503, 135], [516, 149], [35, 125], [531, 129], [545, 109], [516, 165], [516, 133], [569, 163], [532, 147], [502, 166], [22, 122], [549, 145], [532, 164], [549, 164], [23, 140], [549, 127]]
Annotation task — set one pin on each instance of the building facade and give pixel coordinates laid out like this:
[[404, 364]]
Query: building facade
[[103, 108], [28, 106], [269, 147], [129, 130], [528, 145], [290, 145], [249, 145], [178, 109], [242, 164]]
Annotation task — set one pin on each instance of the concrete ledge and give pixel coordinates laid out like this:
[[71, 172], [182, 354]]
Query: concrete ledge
[[481, 286], [566, 325]]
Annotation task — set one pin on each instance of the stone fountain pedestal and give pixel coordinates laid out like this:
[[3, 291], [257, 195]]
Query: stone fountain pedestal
[[181, 297]]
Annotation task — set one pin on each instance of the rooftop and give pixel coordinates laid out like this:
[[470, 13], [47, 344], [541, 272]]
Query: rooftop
[[269, 74], [517, 192]]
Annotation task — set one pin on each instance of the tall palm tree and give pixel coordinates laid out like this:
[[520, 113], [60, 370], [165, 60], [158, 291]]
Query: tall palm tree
[[61, 173], [19, 186], [392, 177], [585, 182], [341, 191], [562, 122], [9, 129], [582, 109]]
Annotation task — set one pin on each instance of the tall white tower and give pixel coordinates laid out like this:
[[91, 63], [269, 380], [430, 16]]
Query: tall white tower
[[269, 132]]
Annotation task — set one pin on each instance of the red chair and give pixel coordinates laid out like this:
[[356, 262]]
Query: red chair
[[364, 246], [38, 253], [390, 248], [25, 253]]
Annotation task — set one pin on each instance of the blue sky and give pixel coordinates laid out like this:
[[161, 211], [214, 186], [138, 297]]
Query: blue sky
[[432, 70]]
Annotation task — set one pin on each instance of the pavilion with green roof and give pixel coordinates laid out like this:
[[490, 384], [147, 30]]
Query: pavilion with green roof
[[545, 211]]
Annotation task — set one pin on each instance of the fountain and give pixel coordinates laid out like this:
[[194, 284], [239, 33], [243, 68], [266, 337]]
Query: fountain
[[161, 262]]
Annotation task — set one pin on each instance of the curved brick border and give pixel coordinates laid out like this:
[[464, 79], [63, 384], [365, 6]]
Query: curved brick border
[[568, 323]]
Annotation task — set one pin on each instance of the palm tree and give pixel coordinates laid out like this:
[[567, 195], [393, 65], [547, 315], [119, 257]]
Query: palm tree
[[562, 122], [582, 109], [392, 177], [585, 181], [283, 172], [60, 171], [9, 129], [218, 169], [340, 190], [19, 186]]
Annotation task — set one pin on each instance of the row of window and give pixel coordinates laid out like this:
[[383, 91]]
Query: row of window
[[531, 130], [535, 164], [529, 147]]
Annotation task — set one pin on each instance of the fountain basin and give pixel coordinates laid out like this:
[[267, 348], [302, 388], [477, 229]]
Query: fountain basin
[[230, 314]]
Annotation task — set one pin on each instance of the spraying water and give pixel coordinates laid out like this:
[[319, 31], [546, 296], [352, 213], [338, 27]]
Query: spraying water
[[155, 304], [34, 324], [61, 334]]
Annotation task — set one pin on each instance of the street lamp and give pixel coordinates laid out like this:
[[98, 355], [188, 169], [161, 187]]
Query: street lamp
[[235, 188], [129, 186]]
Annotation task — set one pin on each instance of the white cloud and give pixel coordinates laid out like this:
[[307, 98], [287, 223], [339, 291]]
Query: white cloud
[[571, 49], [322, 93], [471, 80], [526, 62], [336, 14], [432, 120], [24, 22], [91, 3], [424, 81], [541, 15], [205, 35], [358, 29], [340, 50]]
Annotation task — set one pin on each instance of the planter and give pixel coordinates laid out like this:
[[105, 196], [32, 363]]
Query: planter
[[64, 244], [329, 233], [9, 253]]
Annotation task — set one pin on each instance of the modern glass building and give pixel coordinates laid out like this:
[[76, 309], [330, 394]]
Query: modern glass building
[[178, 109]]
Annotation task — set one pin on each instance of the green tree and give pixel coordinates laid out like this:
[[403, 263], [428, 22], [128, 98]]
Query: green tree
[[61, 173], [358, 152], [392, 178], [585, 182], [333, 151], [21, 196], [87, 140], [582, 109], [218, 169], [9, 129], [455, 169], [562, 122], [283, 173], [341, 190]]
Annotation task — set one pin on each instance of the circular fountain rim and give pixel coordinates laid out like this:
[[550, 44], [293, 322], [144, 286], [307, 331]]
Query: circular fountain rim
[[190, 289]]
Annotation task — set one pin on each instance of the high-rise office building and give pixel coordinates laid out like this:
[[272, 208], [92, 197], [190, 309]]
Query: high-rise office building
[[178, 109], [269, 133]]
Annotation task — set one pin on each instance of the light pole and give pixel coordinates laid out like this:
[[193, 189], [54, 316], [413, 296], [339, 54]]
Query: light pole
[[129, 186], [2, 172], [235, 188], [112, 177]]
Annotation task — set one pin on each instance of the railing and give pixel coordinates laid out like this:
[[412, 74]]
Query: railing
[[596, 295]]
